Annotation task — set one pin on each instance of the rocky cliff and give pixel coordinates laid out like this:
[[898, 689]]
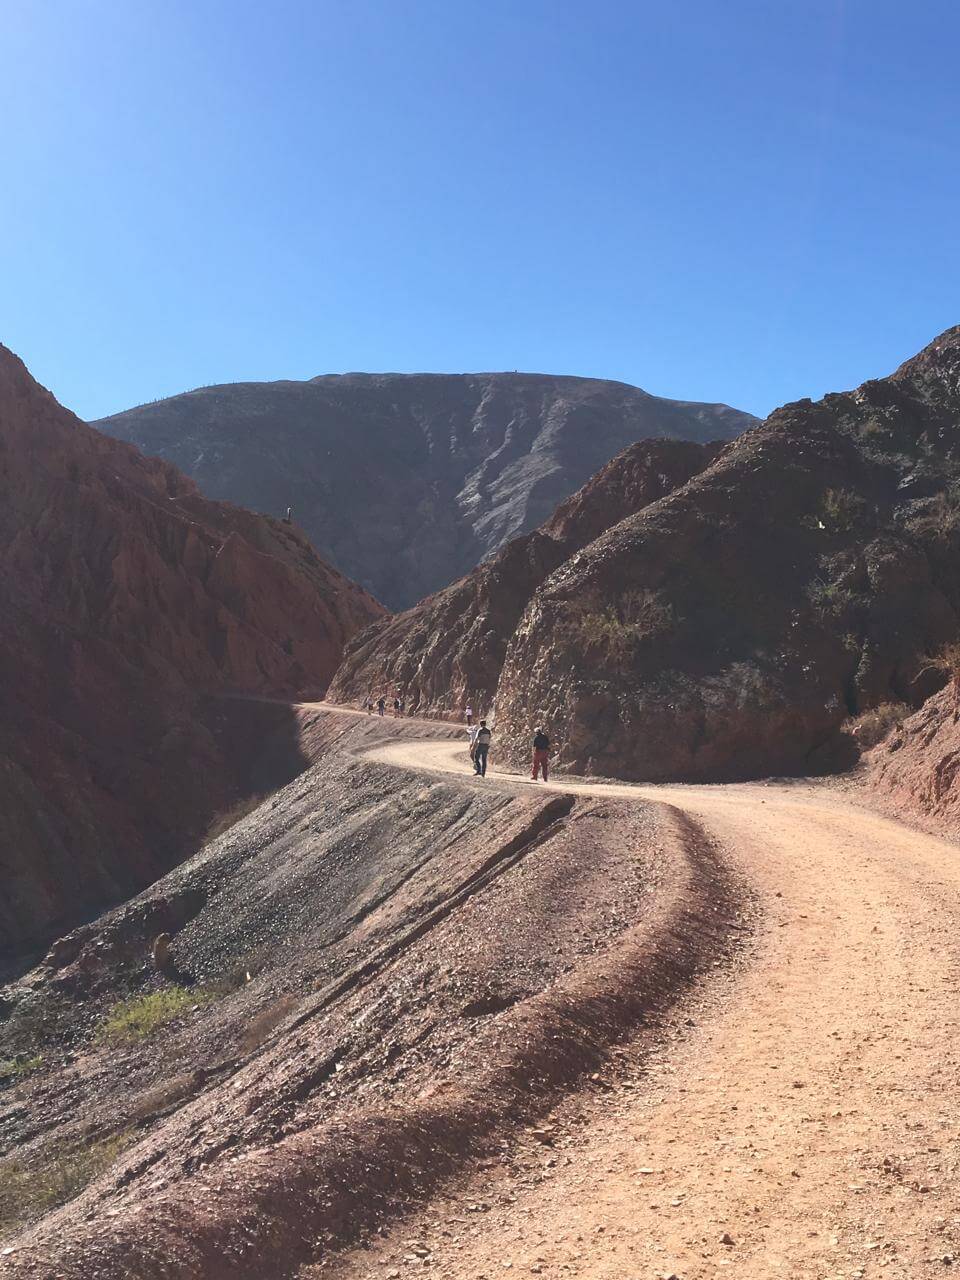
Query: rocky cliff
[[406, 482], [915, 770], [448, 650], [124, 595], [726, 630]]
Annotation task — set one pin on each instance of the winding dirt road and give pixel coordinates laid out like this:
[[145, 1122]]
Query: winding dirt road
[[806, 1123]]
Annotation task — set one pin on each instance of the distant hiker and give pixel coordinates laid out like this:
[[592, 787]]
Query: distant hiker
[[288, 518], [369, 706], [381, 705], [481, 747], [396, 708], [469, 714], [541, 754], [403, 707]]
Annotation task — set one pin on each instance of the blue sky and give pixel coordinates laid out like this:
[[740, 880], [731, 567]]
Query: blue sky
[[723, 200]]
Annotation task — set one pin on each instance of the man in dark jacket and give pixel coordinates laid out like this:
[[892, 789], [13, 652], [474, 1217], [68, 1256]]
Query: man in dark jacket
[[480, 749], [541, 754]]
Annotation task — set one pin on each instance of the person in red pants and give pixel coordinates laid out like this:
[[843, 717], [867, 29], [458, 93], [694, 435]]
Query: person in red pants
[[541, 754]]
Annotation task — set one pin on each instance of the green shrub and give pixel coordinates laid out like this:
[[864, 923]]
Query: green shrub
[[135, 1019], [617, 629], [834, 598], [28, 1191], [12, 1069], [841, 510]]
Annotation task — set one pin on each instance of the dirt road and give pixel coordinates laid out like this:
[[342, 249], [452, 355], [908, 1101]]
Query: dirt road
[[806, 1125]]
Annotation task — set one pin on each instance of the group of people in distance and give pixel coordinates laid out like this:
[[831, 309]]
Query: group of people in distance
[[480, 738], [399, 707]]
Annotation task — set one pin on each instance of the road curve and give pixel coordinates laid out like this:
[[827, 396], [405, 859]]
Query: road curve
[[809, 1125]]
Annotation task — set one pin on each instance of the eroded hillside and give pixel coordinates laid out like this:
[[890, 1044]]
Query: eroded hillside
[[125, 596], [382, 973], [727, 630], [449, 650]]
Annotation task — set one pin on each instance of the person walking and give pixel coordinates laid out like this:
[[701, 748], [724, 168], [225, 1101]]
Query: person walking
[[469, 715], [369, 706], [403, 707], [481, 747], [541, 754], [381, 705], [473, 730], [396, 708]]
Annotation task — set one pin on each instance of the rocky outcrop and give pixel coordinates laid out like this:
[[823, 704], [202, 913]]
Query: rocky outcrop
[[915, 770], [727, 630], [406, 482], [448, 651], [124, 596]]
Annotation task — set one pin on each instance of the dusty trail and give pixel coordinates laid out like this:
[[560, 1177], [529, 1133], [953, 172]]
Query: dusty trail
[[807, 1125]]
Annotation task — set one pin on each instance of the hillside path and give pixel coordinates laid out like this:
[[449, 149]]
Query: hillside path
[[806, 1125]]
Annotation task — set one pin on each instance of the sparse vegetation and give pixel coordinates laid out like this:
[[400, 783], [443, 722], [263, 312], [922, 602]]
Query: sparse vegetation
[[27, 1191], [165, 1095], [637, 616], [835, 598], [135, 1019], [265, 1021], [947, 661], [939, 518], [872, 726], [13, 1069], [228, 817], [841, 510]]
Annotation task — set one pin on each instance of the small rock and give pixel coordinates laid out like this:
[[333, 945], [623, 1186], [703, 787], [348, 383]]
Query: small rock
[[726, 1238]]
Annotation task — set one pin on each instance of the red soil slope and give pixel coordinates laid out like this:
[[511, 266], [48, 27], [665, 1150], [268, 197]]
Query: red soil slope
[[916, 769], [124, 593]]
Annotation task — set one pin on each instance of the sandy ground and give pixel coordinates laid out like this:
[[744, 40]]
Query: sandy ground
[[805, 1123]]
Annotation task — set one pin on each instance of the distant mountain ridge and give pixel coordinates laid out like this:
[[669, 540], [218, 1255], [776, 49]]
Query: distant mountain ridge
[[407, 481]]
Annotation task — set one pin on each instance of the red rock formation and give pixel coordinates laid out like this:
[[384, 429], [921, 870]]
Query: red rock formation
[[448, 650], [727, 630], [915, 770], [125, 593]]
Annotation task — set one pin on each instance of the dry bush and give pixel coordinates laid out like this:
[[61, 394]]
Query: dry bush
[[947, 661], [29, 1191], [265, 1021], [939, 519], [873, 726], [228, 817], [165, 1095]]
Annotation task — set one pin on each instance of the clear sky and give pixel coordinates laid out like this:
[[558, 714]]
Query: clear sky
[[715, 199]]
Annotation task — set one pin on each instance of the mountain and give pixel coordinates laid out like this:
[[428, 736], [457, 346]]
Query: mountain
[[406, 482], [728, 629], [125, 596], [448, 650]]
